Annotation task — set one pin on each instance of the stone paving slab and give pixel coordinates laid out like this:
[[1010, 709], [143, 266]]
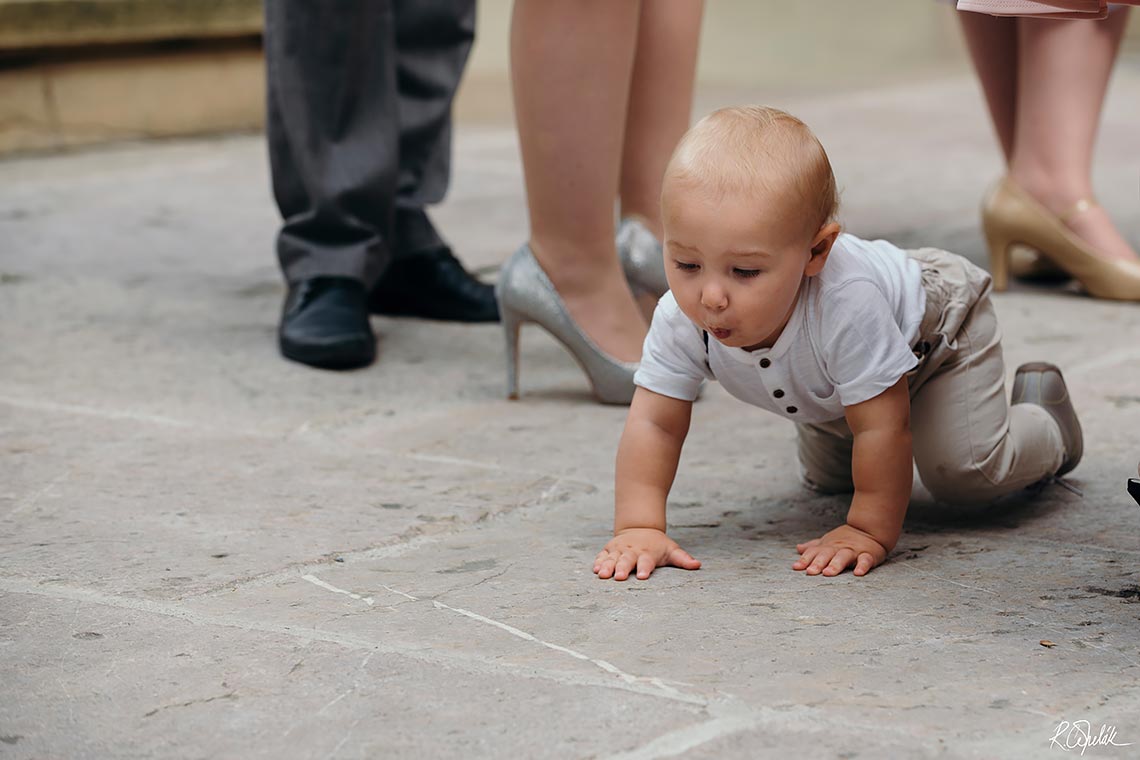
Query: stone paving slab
[[163, 512], [406, 566], [828, 662], [138, 684]]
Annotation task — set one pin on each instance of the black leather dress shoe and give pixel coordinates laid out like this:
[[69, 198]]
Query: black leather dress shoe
[[433, 285], [325, 324]]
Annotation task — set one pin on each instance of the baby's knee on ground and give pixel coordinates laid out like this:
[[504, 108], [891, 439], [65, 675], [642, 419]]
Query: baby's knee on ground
[[956, 484], [824, 460], [826, 483]]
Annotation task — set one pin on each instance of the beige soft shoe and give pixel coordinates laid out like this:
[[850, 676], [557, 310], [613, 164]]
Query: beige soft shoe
[[1041, 383]]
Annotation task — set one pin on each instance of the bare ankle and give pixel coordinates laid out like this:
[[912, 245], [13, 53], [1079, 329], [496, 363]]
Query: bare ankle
[[576, 268], [1057, 193]]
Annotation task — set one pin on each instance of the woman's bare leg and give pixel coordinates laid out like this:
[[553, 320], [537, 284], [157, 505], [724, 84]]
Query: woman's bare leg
[[992, 42], [571, 65], [660, 102], [1064, 69]]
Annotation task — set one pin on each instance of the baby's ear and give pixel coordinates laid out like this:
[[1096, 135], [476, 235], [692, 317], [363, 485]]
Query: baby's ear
[[821, 247]]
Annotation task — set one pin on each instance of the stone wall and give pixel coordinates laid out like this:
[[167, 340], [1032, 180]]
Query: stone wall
[[76, 72], [38, 24]]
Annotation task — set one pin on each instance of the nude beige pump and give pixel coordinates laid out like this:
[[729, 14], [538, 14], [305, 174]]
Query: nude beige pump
[[1011, 216], [1031, 266]]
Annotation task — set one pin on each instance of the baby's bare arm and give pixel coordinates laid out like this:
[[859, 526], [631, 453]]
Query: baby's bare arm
[[881, 468], [882, 464], [647, 460]]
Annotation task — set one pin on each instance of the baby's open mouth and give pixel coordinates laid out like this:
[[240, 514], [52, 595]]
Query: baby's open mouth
[[720, 333]]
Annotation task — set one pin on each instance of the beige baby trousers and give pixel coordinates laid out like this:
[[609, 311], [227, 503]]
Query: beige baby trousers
[[970, 445]]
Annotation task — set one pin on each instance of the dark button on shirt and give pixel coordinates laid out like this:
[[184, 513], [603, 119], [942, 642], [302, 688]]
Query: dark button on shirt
[[792, 410], [765, 363], [778, 393]]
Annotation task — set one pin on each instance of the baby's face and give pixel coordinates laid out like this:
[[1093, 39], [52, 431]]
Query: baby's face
[[734, 263]]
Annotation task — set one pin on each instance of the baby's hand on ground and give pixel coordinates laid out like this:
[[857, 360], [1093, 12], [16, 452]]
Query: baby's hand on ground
[[838, 550], [643, 549]]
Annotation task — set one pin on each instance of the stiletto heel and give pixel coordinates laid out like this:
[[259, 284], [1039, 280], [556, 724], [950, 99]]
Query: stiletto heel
[[512, 323], [1011, 216], [525, 294], [642, 258], [999, 257]]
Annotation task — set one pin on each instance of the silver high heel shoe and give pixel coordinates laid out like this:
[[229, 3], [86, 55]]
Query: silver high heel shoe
[[525, 294], [641, 256]]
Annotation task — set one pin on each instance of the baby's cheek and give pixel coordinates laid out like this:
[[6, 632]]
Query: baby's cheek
[[686, 302]]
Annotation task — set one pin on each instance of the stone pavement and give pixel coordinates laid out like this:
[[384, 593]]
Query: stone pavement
[[206, 551]]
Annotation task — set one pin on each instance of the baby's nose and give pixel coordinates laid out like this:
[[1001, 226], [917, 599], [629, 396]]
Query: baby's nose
[[714, 298]]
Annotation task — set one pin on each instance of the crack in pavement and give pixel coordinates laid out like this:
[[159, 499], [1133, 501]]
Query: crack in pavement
[[413, 538], [227, 695], [658, 683], [473, 663]]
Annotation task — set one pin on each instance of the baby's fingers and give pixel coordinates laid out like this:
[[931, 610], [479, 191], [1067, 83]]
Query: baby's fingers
[[624, 566], [807, 554], [598, 560], [864, 564], [807, 545], [604, 566], [681, 558], [843, 559], [645, 566], [820, 560]]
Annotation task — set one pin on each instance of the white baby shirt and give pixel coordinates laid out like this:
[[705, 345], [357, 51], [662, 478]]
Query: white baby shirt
[[849, 338]]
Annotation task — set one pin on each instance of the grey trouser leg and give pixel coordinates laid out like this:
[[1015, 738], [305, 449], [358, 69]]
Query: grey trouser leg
[[433, 40], [358, 122]]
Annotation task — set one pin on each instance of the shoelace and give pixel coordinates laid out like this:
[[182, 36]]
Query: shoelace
[[1066, 485], [1044, 483]]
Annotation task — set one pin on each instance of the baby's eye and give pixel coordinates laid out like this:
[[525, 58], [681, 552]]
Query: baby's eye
[[684, 266], [746, 272]]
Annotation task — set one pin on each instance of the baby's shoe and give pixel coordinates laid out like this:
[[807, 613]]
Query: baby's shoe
[[1041, 383]]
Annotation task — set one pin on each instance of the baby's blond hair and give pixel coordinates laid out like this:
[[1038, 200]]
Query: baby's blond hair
[[753, 149]]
